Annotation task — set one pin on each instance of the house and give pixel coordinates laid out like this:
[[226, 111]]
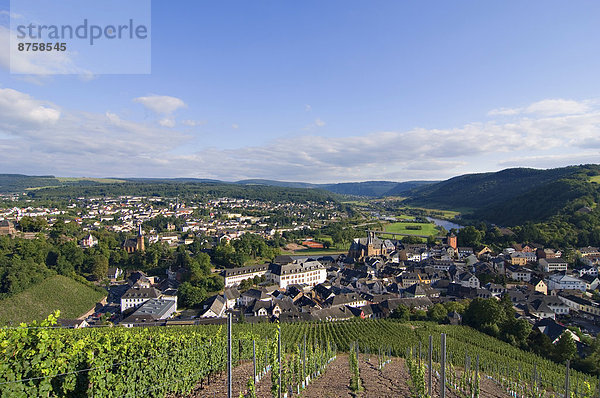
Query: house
[[518, 273], [553, 264], [467, 279], [553, 329], [151, 311], [495, 289], [346, 299], [252, 295], [7, 228], [519, 258], [538, 309], [231, 296], [234, 276], [214, 307], [484, 251], [587, 270], [415, 290], [581, 304], [72, 323], [591, 282], [538, 285], [136, 296], [114, 273], [89, 241], [563, 281], [589, 251]]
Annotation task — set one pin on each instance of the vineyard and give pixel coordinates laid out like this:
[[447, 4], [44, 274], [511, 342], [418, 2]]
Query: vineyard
[[41, 360]]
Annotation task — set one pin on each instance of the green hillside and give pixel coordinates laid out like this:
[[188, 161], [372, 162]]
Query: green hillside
[[19, 182], [72, 298], [511, 196]]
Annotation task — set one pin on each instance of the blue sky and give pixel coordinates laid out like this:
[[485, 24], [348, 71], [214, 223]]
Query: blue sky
[[322, 92]]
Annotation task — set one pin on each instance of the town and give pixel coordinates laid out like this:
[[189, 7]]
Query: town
[[375, 274]]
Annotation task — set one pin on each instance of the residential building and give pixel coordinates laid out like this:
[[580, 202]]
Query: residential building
[[234, 276], [136, 296], [562, 281], [308, 272], [553, 264]]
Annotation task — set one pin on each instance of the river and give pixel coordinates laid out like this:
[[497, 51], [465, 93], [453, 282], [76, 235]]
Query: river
[[448, 225]]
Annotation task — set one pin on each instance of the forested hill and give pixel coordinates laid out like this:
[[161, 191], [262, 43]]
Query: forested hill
[[184, 190], [19, 183], [513, 196]]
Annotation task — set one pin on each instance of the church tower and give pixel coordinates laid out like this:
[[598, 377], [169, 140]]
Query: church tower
[[140, 240]]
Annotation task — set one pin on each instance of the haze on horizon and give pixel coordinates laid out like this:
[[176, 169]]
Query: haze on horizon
[[320, 92]]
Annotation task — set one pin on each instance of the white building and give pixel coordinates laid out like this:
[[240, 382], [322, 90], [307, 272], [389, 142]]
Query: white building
[[565, 282], [553, 264], [310, 272], [136, 296], [235, 276]]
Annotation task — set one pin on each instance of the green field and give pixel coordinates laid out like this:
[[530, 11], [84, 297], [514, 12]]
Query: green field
[[400, 227], [595, 179], [72, 298]]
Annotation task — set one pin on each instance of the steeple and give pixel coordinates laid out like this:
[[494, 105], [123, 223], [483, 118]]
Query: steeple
[[140, 240]]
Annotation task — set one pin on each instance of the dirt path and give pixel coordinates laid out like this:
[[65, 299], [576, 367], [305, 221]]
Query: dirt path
[[241, 374], [391, 381], [334, 383]]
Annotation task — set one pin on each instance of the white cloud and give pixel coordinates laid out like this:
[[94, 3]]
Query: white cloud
[[235, 126], [17, 108], [161, 104], [307, 108], [547, 107], [192, 123], [39, 137], [167, 122], [551, 107], [319, 123]]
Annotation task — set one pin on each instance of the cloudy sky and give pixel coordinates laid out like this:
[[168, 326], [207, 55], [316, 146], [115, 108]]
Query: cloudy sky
[[320, 92]]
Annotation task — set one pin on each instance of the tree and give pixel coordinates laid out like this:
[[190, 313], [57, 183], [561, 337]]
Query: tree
[[483, 312], [469, 236], [190, 295], [401, 313], [565, 348], [437, 313], [99, 267]]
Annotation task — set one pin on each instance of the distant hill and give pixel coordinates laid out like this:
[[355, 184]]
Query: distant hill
[[19, 182], [72, 298], [510, 196], [373, 189]]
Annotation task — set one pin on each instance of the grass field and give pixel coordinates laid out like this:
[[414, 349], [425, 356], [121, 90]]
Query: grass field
[[400, 227], [72, 298], [595, 179]]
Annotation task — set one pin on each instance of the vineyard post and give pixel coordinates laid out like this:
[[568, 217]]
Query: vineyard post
[[279, 358], [443, 367], [254, 359], [419, 353], [229, 381], [477, 368], [304, 359], [567, 378], [430, 363]]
